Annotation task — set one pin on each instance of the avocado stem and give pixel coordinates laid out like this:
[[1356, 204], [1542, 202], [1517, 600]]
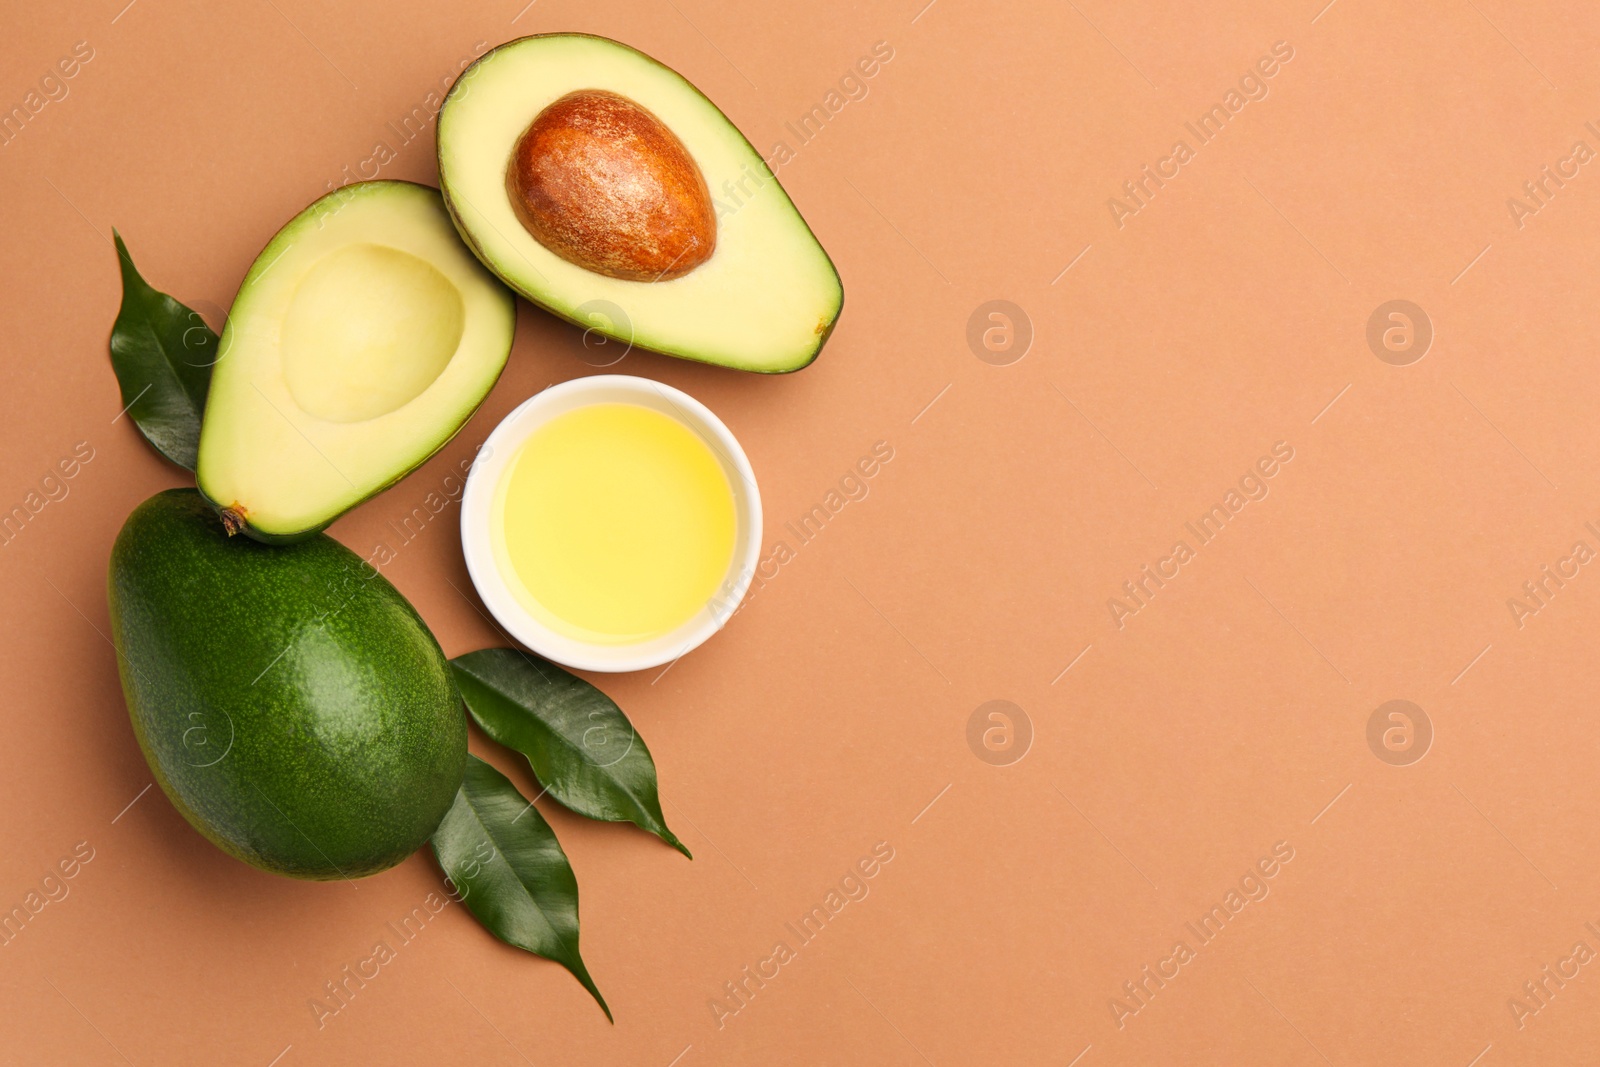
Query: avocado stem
[[232, 519]]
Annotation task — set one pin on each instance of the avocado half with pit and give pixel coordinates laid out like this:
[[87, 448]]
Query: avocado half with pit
[[361, 341], [604, 187]]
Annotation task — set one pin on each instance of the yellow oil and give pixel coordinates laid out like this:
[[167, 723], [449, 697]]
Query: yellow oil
[[613, 523]]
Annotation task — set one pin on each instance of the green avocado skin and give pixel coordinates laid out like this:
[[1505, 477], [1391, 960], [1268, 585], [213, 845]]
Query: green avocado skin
[[290, 702]]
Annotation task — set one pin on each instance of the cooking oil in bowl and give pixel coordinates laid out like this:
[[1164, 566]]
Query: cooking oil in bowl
[[613, 523]]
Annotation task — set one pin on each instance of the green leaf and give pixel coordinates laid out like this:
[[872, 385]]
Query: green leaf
[[508, 869], [582, 748], [162, 353]]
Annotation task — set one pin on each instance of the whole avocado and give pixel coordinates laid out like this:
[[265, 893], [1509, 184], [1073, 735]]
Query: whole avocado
[[290, 702]]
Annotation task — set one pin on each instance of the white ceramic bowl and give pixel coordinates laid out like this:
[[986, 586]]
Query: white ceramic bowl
[[501, 447]]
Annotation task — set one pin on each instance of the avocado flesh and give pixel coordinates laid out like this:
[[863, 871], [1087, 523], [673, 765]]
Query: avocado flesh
[[767, 297], [361, 341], [290, 702]]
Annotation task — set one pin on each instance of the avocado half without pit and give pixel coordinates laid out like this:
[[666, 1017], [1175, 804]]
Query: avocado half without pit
[[362, 339], [604, 187]]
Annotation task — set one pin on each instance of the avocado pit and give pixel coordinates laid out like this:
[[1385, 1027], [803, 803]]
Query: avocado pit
[[600, 181]]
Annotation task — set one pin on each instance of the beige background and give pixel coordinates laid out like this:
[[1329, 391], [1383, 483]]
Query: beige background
[[1228, 715]]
